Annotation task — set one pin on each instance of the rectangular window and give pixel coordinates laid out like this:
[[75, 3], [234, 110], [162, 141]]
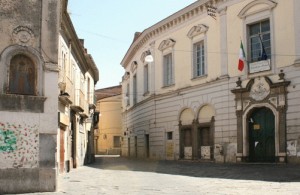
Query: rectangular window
[[134, 90], [128, 94], [259, 41], [117, 141], [169, 135], [198, 59], [168, 70], [146, 79]]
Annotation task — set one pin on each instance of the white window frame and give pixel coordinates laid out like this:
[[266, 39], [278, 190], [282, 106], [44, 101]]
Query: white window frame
[[249, 37], [146, 78], [134, 90], [168, 69], [248, 19], [203, 57]]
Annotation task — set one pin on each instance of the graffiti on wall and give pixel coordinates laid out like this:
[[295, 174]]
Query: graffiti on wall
[[8, 141], [18, 145]]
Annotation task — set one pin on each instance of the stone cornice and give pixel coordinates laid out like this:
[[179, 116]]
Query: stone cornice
[[86, 62], [187, 13]]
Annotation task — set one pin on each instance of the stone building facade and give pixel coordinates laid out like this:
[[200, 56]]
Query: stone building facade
[[78, 75], [193, 101], [36, 111], [28, 95], [109, 132]]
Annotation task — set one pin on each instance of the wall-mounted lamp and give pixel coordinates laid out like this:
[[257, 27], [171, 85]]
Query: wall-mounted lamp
[[149, 57]]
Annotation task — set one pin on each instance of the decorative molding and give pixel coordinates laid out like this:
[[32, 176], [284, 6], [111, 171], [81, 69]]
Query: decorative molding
[[192, 11], [297, 63], [126, 76], [23, 35], [166, 44], [51, 67], [273, 100], [133, 67], [196, 30], [246, 103], [222, 11], [144, 54], [260, 89], [245, 11]]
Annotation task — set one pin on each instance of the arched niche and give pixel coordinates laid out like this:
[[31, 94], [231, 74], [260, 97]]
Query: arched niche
[[22, 81], [206, 113], [187, 116]]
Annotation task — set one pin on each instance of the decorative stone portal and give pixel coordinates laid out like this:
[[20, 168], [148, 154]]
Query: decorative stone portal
[[261, 119]]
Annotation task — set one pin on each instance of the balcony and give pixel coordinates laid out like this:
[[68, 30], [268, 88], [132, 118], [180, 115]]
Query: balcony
[[92, 100], [79, 102]]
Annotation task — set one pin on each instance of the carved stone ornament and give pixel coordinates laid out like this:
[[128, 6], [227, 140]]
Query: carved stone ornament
[[260, 89], [166, 44], [23, 35], [196, 30]]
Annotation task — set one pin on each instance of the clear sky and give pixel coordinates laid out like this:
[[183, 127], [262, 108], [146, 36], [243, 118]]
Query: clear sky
[[108, 28]]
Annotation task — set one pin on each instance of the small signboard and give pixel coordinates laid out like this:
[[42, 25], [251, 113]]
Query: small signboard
[[169, 150], [260, 66], [256, 127]]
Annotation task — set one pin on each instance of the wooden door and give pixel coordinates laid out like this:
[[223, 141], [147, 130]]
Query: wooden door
[[262, 136], [62, 151]]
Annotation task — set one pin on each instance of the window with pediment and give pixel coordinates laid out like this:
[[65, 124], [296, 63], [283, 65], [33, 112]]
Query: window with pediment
[[166, 47], [257, 18], [197, 34]]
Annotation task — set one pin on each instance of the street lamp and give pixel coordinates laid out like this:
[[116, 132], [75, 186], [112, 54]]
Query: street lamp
[[149, 57]]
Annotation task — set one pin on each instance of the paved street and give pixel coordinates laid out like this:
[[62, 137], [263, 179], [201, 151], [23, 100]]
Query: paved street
[[114, 175]]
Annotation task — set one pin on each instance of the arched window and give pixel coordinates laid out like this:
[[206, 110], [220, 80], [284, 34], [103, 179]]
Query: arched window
[[22, 75]]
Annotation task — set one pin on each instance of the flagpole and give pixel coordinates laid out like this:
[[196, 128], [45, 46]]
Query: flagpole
[[264, 54]]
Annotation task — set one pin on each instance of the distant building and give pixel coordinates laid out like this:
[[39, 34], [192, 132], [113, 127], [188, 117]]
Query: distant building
[[109, 136], [194, 101], [46, 112]]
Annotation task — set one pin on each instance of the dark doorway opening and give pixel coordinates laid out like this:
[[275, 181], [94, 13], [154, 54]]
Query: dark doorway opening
[[261, 135]]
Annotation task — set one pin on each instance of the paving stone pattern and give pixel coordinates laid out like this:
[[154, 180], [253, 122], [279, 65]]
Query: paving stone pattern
[[116, 175]]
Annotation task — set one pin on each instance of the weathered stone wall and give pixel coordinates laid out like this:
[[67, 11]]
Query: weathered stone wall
[[27, 129]]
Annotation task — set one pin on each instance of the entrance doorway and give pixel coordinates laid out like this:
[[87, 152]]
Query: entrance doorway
[[135, 147], [204, 143], [262, 135], [62, 151], [187, 143], [147, 143]]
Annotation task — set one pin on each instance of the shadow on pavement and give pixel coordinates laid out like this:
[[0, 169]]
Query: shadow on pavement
[[243, 171]]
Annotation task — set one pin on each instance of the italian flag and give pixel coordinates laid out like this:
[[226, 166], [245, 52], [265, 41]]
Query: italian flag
[[241, 58]]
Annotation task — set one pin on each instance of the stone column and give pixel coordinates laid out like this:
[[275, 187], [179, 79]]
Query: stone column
[[239, 115], [181, 148], [195, 139], [223, 42]]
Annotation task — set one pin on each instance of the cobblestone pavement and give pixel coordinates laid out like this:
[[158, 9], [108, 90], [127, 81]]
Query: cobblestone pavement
[[112, 175]]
